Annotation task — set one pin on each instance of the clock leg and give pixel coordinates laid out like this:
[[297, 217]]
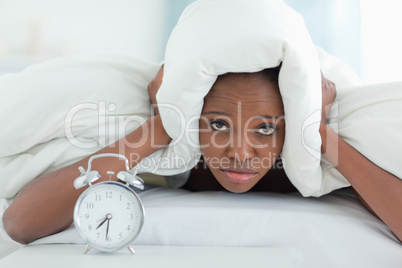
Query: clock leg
[[86, 249], [130, 248]]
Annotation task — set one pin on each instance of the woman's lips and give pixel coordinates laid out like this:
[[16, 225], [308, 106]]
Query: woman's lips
[[238, 175]]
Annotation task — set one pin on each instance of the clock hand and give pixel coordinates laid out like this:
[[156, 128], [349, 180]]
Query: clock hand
[[107, 228], [101, 223]]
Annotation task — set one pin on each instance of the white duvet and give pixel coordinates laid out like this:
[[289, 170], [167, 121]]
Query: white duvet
[[57, 112]]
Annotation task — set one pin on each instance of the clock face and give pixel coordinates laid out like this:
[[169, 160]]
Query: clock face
[[109, 216]]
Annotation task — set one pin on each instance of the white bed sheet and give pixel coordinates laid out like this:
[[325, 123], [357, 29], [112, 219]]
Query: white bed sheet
[[332, 231], [7, 245], [67, 256]]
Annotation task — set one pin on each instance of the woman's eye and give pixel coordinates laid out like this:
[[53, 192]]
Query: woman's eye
[[267, 130], [218, 126]]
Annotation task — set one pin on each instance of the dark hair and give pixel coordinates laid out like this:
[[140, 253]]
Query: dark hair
[[269, 74]]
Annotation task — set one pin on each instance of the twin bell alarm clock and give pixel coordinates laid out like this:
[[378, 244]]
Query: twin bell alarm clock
[[108, 215]]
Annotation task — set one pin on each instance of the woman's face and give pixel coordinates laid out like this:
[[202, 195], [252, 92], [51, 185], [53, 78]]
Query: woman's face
[[242, 130]]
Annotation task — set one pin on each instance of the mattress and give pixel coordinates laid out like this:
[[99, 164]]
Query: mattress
[[334, 230]]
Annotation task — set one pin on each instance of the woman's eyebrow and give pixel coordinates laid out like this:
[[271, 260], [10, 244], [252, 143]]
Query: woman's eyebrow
[[272, 116], [217, 112]]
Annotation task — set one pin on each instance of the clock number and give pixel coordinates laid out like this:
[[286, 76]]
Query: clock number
[[128, 206], [109, 194], [97, 235], [90, 227], [87, 216], [131, 216], [120, 235], [90, 205], [128, 228], [98, 197]]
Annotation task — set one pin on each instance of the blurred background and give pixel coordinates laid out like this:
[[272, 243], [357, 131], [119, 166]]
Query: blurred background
[[363, 33]]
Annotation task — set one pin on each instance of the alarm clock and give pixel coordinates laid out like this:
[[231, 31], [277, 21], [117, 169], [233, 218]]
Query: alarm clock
[[109, 215]]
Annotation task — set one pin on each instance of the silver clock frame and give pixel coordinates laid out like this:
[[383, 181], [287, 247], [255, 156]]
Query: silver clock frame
[[82, 234]]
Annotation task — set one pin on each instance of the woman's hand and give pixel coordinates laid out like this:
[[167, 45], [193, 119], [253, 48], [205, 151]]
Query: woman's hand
[[153, 88], [328, 89]]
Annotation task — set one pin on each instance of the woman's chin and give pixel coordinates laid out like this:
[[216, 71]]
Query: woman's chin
[[237, 188]]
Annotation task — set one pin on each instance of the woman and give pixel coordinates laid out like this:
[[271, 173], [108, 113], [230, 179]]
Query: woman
[[239, 148]]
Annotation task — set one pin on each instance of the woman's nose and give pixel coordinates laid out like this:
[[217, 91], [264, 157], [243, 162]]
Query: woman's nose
[[240, 148]]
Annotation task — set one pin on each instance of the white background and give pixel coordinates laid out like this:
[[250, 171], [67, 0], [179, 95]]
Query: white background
[[36, 30]]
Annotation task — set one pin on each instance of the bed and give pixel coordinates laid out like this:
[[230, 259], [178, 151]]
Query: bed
[[221, 229]]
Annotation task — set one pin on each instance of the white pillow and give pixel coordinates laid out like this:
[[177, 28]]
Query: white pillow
[[214, 37]]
